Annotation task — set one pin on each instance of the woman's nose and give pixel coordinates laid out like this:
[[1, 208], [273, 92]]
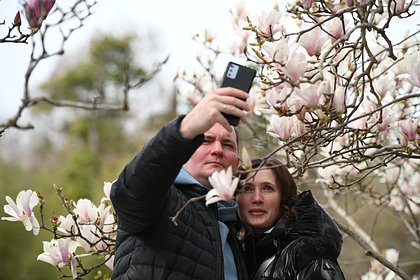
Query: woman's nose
[[257, 197]]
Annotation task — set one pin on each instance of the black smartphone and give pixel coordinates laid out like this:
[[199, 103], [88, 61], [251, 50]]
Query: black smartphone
[[240, 77]]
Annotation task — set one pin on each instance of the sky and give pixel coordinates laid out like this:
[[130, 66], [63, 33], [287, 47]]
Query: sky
[[174, 23]]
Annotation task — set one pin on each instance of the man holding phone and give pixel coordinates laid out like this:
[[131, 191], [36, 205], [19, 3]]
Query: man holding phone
[[171, 169]]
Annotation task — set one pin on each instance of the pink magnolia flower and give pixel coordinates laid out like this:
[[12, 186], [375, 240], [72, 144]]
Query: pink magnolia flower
[[383, 84], [67, 224], [277, 51], [397, 6], [91, 239], [295, 66], [335, 29], [408, 130], [286, 128], [307, 4], [278, 96], [60, 252], [37, 10], [388, 118], [224, 186], [307, 96], [86, 211], [414, 73], [17, 20], [313, 41], [269, 23], [22, 210]]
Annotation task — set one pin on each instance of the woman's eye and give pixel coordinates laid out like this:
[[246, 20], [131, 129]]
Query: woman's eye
[[246, 189], [268, 188]]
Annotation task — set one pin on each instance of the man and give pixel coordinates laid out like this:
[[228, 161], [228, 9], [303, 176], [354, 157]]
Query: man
[[171, 169]]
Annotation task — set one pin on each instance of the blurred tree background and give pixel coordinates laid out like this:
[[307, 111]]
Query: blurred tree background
[[89, 148]]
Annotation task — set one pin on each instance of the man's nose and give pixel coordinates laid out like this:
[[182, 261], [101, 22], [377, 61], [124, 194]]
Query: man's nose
[[217, 147]]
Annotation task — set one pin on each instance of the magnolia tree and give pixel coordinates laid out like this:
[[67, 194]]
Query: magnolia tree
[[338, 97], [46, 26]]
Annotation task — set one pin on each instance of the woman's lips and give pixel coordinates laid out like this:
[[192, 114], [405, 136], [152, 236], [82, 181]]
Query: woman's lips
[[257, 212]]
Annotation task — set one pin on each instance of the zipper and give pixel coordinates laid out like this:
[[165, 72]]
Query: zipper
[[219, 253]]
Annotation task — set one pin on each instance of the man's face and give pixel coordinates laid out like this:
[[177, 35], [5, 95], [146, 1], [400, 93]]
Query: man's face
[[218, 152]]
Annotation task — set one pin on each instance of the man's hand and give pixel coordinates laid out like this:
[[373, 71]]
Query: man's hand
[[210, 111]]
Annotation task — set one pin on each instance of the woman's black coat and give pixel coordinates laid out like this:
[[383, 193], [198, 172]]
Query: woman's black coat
[[303, 247]]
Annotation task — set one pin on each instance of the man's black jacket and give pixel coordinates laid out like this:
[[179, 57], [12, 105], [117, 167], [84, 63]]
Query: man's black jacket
[[149, 245]]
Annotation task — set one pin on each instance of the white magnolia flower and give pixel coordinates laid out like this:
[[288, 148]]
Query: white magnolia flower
[[86, 211], [60, 252], [22, 210], [107, 190], [224, 186]]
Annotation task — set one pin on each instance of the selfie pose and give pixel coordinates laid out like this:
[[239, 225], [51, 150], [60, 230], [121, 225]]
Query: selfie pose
[[288, 236], [171, 169]]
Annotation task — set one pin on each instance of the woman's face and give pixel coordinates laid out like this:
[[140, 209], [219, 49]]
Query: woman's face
[[259, 200]]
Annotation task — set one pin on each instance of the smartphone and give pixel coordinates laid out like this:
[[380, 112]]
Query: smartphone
[[240, 77]]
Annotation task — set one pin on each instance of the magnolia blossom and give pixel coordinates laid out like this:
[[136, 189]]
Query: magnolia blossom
[[37, 11], [67, 224], [383, 84], [335, 28], [86, 211], [370, 275], [285, 128], [107, 191], [414, 73], [60, 252], [246, 159], [387, 119], [224, 186], [269, 23], [391, 255], [295, 66], [277, 52], [91, 238], [22, 210], [307, 96], [276, 97], [313, 41], [408, 130], [397, 6], [307, 4]]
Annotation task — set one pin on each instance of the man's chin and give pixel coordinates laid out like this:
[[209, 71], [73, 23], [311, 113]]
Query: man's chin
[[214, 166]]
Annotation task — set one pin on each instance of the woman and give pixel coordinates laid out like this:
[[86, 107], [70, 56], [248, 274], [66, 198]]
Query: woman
[[289, 236]]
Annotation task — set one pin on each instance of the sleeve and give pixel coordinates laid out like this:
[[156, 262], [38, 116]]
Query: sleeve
[[140, 192], [321, 269]]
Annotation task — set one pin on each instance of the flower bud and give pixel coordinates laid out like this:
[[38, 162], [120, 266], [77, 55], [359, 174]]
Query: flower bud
[[37, 10], [17, 21]]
